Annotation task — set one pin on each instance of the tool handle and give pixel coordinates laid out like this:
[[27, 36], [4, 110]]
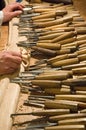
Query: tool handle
[[61, 104], [66, 127], [74, 66], [46, 83], [57, 76], [43, 16], [49, 36], [74, 82], [47, 52], [49, 46], [68, 40], [54, 91], [67, 116], [80, 71], [51, 112], [65, 62], [64, 36]]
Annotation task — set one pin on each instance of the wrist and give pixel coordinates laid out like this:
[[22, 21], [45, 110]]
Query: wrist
[[1, 17]]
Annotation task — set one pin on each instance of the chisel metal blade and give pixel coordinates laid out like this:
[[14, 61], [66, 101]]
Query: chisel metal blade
[[29, 15]]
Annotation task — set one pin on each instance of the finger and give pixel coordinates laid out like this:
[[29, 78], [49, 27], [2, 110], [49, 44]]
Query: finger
[[14, 59], [16, 13], [17, 6], [15, 53]]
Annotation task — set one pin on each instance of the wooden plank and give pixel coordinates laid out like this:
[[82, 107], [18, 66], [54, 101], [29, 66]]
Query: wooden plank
[[3, 85], [8, 106]]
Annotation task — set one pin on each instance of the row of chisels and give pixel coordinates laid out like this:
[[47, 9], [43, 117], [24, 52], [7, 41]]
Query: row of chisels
[[56, 37]]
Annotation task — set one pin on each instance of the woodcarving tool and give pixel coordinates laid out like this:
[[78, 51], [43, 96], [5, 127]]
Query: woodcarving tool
[[74, 106], [48, 112]]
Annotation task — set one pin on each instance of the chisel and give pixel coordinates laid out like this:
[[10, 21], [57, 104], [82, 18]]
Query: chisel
[[46, 112], [47, 52]]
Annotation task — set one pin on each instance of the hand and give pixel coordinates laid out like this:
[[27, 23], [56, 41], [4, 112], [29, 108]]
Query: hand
[[12, 10], [9, 62]]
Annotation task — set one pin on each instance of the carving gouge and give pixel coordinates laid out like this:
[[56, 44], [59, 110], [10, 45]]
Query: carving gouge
[[48, 76], [47, 52], [48, 112], [41, 83]]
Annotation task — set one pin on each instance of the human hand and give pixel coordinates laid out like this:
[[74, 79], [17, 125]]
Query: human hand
[[12, 10], [9, 62]]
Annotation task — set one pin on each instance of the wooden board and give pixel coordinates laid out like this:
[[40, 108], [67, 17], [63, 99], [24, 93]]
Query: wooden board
[[8, 106], [3, 86]]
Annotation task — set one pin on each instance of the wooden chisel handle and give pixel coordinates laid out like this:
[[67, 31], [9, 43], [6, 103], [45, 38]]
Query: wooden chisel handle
[[67, 116], [55, 27], [65, 62], [47, 83], [57, 58], [49, 46], [61, 104], [49, 36], [68, 40], [57, 76], [81, 98], [47, 52], [81, 31], [61, 57], [54, 91], [82, 57], [55, 22], [66, 127], [64, 51], [81, 37], [42, 16], [43, 20], [79, 71], [51, 112], [64, 36], [73, 121], [74, 82], [81, 52], [69, 67]]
